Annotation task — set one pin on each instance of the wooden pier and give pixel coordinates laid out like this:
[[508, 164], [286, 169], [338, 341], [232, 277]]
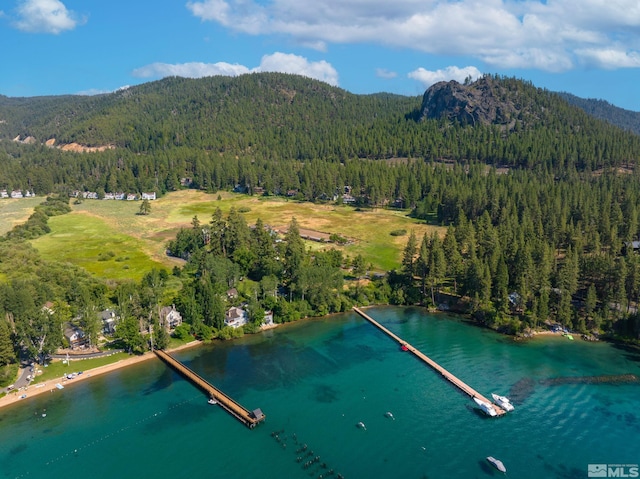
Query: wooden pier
[[464, 387], [249, 418]]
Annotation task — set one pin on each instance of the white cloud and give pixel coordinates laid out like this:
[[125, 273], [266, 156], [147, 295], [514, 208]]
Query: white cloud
[[550, 35], [289, 63], [276, 62], [610, 58], [189, 70], [384, 73], [45, 16], [428, 78], [96, 91]]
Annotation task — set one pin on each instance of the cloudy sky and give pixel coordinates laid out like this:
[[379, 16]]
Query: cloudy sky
[[590, 48]]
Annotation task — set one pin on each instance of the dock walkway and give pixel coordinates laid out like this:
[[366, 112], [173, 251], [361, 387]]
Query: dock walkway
[[464, 387], [249, 418]]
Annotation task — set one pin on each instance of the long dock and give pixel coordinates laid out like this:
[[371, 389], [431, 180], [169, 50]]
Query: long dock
[[464, 387], [249, 418]]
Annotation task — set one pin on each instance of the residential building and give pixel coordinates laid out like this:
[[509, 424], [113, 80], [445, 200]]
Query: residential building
[[109, 320], [170, 318], [235, 317], [75, 336]]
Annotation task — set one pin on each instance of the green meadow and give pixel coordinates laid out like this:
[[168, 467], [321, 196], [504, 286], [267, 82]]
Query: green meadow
[[16, 211], [110, 240]]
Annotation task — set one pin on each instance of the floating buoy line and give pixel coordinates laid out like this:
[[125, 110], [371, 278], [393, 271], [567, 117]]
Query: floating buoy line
[[76, 450]]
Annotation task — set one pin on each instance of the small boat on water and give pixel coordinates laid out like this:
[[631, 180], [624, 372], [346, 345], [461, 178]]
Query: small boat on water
[[497, 463], [404, 347], [59, 386], [389, 415], [503, 402], [362, 426], [486, 407], [212, 401]]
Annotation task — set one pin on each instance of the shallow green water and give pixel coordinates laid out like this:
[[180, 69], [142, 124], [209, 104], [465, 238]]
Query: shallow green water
[[315, 381]]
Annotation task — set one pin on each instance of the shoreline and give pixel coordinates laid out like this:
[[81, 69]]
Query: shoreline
[[49, 386]]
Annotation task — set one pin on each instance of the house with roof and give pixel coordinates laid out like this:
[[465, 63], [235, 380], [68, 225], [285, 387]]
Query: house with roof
[[109, 320], [131, 197], [232, 293], [347, 199], [75, 336], [149, 196], [48, 307], [109, 196], [170, 318], [236, 317], [268, 319], [16, 194]]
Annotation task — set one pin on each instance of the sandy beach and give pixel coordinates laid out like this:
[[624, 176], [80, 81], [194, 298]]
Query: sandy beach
[[49, 387]]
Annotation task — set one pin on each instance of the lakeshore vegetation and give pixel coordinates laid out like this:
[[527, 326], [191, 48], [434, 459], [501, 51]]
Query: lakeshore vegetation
[[517, 225]]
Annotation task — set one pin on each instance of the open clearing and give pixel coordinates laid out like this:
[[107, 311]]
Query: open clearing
[[110, 240], [14, 211]]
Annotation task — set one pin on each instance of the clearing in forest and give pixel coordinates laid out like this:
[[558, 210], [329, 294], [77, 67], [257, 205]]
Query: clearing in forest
[[109, 238]]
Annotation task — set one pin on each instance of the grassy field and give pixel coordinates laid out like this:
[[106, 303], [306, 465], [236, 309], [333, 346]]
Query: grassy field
[[110, 240], [16, 211], [57, 369]]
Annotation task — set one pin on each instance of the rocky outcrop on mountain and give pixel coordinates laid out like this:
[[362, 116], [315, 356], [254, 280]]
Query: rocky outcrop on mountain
[[484, 101]]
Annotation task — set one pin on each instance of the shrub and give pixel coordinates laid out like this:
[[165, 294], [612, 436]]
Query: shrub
[[398, 232]]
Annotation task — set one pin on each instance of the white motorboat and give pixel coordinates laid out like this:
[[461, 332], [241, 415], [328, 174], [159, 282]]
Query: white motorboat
[[486, 407], [503, 402], [361, 425], [497, 463], [212, 401]]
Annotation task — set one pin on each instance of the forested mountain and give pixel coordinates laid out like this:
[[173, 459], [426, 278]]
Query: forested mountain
[[625, 119], [270, 130], [541, 200]]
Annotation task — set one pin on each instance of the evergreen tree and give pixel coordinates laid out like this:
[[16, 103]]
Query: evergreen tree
[[294, 252], [7, 353], [145, 207], [409, 257]]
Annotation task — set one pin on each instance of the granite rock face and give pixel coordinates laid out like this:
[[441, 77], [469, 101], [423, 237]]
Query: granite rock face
[[484, 101]]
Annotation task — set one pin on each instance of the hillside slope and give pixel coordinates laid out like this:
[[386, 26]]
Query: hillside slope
[[273, 116], [620, 117]]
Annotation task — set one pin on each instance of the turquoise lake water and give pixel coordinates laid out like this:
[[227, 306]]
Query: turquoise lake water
[[315, 381]]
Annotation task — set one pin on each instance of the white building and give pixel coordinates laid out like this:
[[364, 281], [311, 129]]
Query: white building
[[170, 318], [236, 317]]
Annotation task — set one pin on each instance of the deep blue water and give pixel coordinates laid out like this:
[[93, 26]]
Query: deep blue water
[[315, 380]]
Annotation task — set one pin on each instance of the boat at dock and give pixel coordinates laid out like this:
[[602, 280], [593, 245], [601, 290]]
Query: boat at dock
[[497, 463], [503, 402], [486, 407], [212, 401]]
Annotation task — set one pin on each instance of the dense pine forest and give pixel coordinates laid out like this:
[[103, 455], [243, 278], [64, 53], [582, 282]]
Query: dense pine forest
[[540, 200]]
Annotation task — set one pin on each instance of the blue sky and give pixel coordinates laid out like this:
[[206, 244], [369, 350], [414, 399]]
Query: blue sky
[[590, 48]]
